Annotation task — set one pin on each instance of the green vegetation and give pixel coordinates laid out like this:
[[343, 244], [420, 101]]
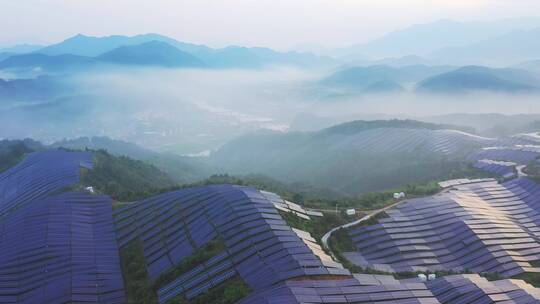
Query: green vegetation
[[138, 286], [123, 178], [318, 198], [141, 290], [341, 242], [330, 159], [533, 170], [530, 277], [203, 254], [13, 151], [180, 168]]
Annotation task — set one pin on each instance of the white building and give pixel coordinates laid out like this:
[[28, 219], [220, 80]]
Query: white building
[[399, 195], [90, 189]]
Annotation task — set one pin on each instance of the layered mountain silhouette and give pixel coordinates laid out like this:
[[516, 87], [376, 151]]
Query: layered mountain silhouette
[[52, 63], [424, 39], [476, 78], [506, 49], [40, 88], [151, 53], [380, 78], [151, 49]]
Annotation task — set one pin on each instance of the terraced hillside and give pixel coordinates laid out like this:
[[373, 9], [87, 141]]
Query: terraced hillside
[[478, 227], [354, 157], [258, 246], [209, 244]]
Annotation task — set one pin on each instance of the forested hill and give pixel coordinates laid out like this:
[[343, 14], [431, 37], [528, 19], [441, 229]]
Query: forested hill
[[13, 151]]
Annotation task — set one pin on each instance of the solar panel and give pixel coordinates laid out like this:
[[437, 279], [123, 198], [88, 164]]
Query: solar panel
[[245, 219], [481, 227], [39, 175], [61, 249]]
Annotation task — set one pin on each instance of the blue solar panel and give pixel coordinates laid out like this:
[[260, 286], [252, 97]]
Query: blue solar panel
[[483, 227], [245, 219], [39, 175], [61, 249]]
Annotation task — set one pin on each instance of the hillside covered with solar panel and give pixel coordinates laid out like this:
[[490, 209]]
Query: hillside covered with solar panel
[[57, 245], [270, 152], [63, 239]]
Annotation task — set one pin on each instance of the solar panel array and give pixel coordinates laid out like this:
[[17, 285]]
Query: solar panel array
[[260, 247], [56, 248], [402, 140], [482, 227], [473, 289], [501, 168], [290, 207], [38, 175], [517, 154], [365, 288], [463, 181]]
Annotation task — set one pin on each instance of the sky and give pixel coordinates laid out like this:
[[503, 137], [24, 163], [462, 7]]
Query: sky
[[279, 24]]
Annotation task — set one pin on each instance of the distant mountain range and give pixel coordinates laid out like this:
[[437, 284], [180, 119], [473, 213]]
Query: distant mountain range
[[500, 43], [21, 48], [380, 78], [504, 50], [151, 53], [475, 78], [152, 49], [533, 66], [433, 79], [47, 62], [435, 40], [38, 89], [89, 46]]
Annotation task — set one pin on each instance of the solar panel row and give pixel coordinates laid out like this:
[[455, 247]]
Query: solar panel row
[[364, 288], [56, 248], [61, 249], [518, 154], [289, 207], [260, 247], [403, 140], [39, 175], [501, 168], [482, 227]]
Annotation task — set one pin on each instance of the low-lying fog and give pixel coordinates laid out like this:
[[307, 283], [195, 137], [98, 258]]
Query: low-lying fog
[[193, 111]]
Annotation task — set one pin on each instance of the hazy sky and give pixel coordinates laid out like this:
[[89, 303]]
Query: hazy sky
[[274, 23]]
